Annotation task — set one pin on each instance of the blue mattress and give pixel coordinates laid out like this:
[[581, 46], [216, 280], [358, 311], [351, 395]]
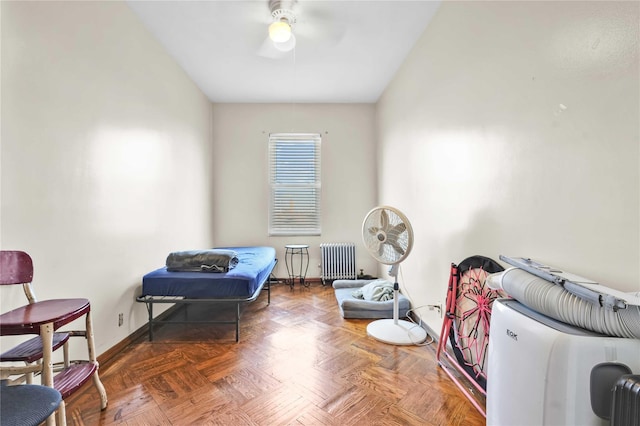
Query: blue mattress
[[253, 269]]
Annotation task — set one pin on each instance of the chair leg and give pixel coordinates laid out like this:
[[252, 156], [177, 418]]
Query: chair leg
[[61, 414], [46, 334], [100, 387], [51, 420], [92, 358], [65, 351], [29, 376]]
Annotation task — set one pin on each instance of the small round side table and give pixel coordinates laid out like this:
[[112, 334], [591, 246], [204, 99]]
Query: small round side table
[[301, 250]]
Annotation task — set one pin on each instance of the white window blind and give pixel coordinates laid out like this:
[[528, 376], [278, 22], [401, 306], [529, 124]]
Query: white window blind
[[294, 177]]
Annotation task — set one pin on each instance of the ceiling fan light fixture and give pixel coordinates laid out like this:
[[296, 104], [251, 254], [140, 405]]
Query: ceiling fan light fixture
[[280, 32], [286, 46]]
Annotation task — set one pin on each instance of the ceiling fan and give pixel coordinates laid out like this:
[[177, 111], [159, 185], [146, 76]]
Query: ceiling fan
[[291, 18], [281, 29]]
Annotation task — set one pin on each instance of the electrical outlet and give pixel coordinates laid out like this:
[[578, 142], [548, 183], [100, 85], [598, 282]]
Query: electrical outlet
[[436, 307], [120, 319]]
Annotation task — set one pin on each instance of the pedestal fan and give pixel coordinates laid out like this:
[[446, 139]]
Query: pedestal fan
[[388, 236]]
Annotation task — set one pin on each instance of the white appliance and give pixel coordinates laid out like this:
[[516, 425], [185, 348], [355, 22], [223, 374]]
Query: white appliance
[[539, 368]]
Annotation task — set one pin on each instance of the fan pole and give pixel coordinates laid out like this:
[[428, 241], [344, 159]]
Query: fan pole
[[396, 331], [396, 303]]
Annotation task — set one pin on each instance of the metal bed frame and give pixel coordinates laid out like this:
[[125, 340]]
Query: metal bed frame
[[149, 301]]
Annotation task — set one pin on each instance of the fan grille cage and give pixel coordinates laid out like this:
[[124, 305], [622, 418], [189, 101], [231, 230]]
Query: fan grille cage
[[387, 235]]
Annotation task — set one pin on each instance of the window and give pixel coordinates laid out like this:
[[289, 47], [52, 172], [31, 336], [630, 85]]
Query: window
[[294, 177]]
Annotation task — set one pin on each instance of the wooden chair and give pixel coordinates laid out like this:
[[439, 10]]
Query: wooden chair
[[29, 351], [44, 318]]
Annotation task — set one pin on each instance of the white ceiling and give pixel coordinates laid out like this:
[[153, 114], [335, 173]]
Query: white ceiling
[[346, 51]]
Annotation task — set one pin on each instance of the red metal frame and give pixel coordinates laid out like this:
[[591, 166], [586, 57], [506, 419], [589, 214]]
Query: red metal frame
[[442, 344]]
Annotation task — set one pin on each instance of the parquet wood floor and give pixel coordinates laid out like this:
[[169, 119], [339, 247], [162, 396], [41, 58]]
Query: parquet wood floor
[[298, 362]]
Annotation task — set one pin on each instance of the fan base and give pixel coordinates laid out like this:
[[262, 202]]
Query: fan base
[[402, 333]]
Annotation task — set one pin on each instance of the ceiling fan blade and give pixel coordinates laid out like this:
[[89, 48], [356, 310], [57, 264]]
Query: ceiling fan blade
[[328, 36], [315, 22]]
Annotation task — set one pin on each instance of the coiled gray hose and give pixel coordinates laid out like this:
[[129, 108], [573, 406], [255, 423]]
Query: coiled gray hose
[[556, 302]]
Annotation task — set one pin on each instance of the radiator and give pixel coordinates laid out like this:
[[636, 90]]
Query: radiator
[[337, 261]]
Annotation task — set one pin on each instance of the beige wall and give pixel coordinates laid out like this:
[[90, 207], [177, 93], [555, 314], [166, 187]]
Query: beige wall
[[106, 148], [240, 175], [513, 128]]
